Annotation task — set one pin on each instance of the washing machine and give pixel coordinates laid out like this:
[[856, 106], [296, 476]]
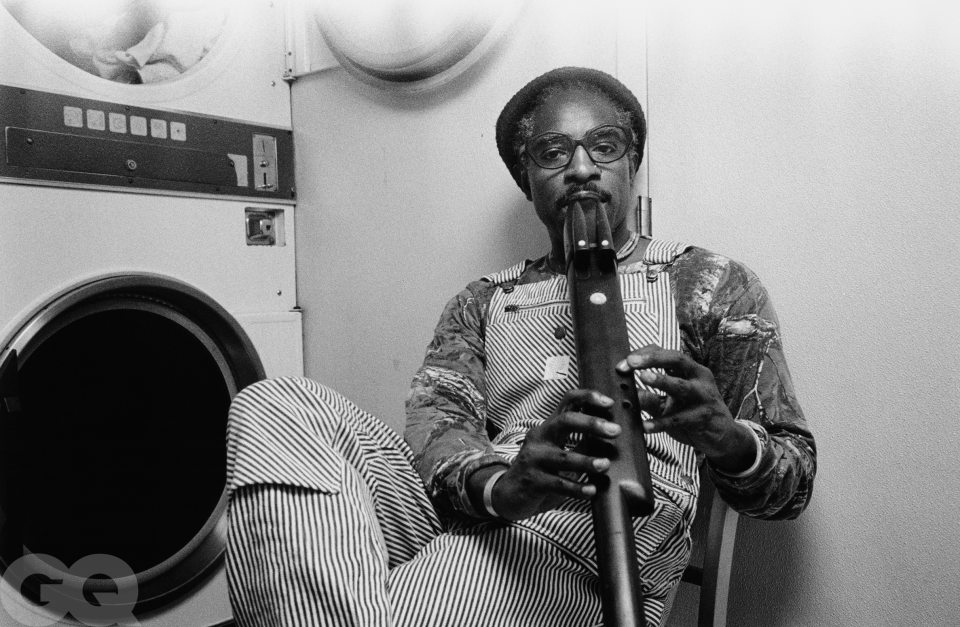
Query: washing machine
[[146, 276]]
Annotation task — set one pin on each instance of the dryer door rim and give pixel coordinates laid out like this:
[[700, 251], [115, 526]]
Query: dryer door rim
[[56, 303], [204, 551]]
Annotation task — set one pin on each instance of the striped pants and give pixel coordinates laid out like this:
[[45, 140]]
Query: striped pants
[[329, 524]]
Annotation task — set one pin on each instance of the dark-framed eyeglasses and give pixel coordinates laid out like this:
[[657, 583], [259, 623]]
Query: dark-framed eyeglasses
[[605, 144]]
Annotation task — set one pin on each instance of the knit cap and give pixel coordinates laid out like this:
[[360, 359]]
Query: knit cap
[[526, 98]]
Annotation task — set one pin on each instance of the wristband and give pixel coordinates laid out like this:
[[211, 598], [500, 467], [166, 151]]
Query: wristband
[[756, 462], [488, 493]]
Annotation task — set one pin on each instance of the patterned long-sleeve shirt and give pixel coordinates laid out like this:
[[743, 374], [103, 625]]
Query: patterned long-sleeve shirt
[[503, 356]]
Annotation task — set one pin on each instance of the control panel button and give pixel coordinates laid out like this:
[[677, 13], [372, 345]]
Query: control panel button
[[138, 125], [178, 131], [118, 123], [73, 116], [158, 128], [96, 120]]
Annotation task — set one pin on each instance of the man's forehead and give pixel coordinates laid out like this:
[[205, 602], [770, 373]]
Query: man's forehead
[[574, 112]]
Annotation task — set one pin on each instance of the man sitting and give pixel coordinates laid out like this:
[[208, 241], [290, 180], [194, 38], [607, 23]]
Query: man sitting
[[481, 514]]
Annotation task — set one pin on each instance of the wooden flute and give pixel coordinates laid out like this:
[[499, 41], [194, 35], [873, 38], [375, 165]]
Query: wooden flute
[[600, 332]]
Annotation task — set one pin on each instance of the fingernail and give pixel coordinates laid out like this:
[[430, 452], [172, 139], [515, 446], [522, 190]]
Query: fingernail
[[648, 376], [604, 400], [611, 428], [601, 464], [622, 366], [635, 360], [589, 490]]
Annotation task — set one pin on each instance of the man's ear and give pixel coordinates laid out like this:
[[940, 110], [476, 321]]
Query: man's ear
[[525, 182], [634, 162]]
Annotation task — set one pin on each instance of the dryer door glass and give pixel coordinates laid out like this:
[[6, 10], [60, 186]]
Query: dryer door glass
[[126, 41], [125, 439]]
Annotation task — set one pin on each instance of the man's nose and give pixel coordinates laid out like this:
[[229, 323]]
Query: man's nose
[[581, 167]]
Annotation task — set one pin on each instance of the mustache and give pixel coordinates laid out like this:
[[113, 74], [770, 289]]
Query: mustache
[[590, 186]]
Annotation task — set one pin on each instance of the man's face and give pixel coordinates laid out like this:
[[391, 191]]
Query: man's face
[[574, 112]]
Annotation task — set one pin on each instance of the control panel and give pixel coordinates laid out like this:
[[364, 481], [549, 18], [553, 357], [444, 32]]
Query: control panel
[[69, 140]]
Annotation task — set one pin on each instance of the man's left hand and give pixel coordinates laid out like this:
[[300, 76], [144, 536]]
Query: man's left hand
[[692, 410]]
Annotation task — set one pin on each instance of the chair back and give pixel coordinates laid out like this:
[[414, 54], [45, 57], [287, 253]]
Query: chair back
[[714, 533]]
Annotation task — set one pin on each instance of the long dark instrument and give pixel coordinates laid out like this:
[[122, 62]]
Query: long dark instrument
[[600, 331]]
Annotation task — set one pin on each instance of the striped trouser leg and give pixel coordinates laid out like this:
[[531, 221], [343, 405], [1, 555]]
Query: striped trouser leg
[[495, 575], [537, 573], [330, 525], [324, 502]]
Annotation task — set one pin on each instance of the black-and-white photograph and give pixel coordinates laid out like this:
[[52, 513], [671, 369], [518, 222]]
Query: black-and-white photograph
[[479, 313]]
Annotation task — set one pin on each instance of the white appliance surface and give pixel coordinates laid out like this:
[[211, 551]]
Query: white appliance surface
[[56, 238]]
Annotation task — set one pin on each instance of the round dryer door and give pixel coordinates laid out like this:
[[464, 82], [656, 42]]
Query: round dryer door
[[412, 45], [126, 41], [118, 445], [213, 57]]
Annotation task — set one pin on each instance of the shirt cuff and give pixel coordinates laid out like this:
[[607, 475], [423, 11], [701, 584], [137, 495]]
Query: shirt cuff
[[759, 435], [461, 497]]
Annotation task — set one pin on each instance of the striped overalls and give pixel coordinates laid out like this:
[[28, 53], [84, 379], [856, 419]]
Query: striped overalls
[[330, 525]]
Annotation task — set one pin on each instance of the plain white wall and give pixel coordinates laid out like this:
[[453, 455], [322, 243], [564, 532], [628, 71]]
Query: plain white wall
[[820, 144], [816, 142]]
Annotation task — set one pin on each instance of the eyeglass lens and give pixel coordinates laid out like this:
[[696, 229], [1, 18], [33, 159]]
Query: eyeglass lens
[[604, 144]]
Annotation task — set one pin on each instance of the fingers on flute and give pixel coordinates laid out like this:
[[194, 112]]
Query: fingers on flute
[[659, 425], [673, 386], [570, 461], [580, 397], [651, 403], [570, 419], [653, 356], [676, 423], [544, 482]]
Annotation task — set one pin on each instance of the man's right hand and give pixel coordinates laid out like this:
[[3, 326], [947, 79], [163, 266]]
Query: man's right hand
[[540, 477]]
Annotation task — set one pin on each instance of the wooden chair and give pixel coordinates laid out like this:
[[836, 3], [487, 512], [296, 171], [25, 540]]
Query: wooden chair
[[714, 532]]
